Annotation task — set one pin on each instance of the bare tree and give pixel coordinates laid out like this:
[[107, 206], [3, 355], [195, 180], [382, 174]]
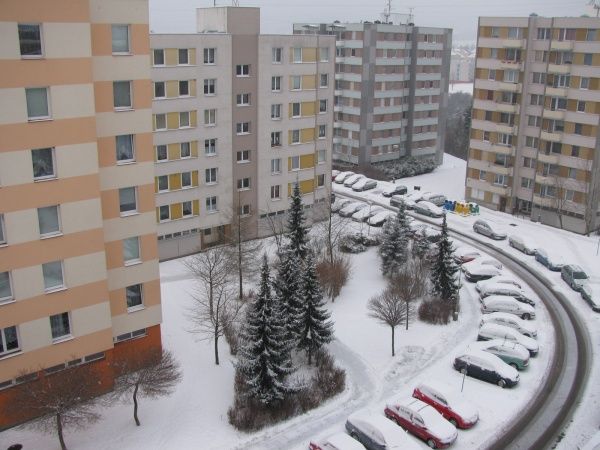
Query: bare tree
[[332, 229], [61, 400], [333, 276], [148, 373], [276, 225], [409, 285], [389, 309], [212, 269]]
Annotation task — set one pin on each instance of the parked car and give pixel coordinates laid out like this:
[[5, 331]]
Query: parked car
[[394, 189], [574, 276], [503, 303], [409, 199], [522, 244], [428, 209], [506, 289], [334, 173], [376, 432], [465, 254], [487, 229], [353, 179], [436, 199], [362, 215], [552, 262], [498, 279], [512, 353], [454, 408], [489, 331], [351, 208], [339, 441], [341, 177], [364, 184], [526, 328], [379, 219], [339, 204], [422, 229], [476, 272], [486, 367], [422, 421], [591, 294]]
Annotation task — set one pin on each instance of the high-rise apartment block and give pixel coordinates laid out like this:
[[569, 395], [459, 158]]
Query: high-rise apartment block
[[534, 145], [79, 281], [238, 118], [391, 90]]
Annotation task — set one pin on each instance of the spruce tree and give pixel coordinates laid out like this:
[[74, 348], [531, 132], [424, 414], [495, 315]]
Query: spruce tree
[[394, 244], [316, 327], [443, 273], [297, 232], [264, 359], [287, 292], [421, 245]]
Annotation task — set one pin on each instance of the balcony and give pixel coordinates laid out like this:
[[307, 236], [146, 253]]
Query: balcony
[[561, 45], [505, 128], [503, 149], [513, 43], [559, 68], [556, 115], [550, 158], [556, 91], [507, 107], [552, 137], [513, 65], [508, 87]]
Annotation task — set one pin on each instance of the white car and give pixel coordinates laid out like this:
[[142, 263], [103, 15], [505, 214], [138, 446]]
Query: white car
[[503, 303], [409, 200], [475, 272], [341, 177], [522, 244], [526, 328], [489, 331], [428, 209], [334, 173], [339, 203], [506, 289], [351, 208], [364, 184], [339, 441], [373, 430], [432, 197], [364, 214], [352, 179], [380, 218], [498, 279]]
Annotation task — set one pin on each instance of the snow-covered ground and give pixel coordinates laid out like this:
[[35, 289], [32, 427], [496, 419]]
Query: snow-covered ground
[[195, 416], [467, 88]]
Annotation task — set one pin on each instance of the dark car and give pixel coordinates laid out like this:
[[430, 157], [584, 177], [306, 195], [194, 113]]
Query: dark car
[[396, 189], [486, 367]]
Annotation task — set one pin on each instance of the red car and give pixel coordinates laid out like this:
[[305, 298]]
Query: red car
[[460, 413], [422, 420]]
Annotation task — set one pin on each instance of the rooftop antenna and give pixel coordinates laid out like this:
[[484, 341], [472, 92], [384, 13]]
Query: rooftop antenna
[[387, 12], [411, 18], [596, 5], [235, 2]]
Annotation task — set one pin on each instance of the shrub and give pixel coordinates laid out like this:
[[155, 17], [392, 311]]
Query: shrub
[[333, 276], [435, 311], [408, 166], [231, 336], [348, 244]]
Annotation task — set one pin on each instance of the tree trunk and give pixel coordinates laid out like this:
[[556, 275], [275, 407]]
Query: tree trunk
[[59, 429], [135, 404], [407, 306], [393, 347], [216, 346], [210, 297], [309, 355]]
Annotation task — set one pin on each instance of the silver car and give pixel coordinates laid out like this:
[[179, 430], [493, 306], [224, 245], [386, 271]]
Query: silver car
[[487, 229]]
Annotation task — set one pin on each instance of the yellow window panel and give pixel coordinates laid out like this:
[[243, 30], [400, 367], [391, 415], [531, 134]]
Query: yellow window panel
[[307, 161], [196, 206], [176, 211], [172, 120], [174, 181], [172, 88], [173, 151], [171, 56]]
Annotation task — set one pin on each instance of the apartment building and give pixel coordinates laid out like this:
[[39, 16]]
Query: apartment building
[[462, 65], [238, 118], [79, 281], [391, 90], [534, 131]]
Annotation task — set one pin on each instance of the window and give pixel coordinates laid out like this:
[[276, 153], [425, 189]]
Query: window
[[486, 136], [584, 83], [209, 55], [211, 204], [321, 156], [9, 341], [186, 180], [122, 94], [531, 141], [184, 88], [184, 119], [512, 54], [275, 192], [543, 33], [184, 150], [322, 106], [566, 34], [161, 153], [514, 33], [580, 106], [276, 111], [242, 127], [163, 183], [183, 57], [296, 110], [295, 162], [500, 159], [511, 76], [587, 59], [2, 233], [297, 54], [210, 86], [534, 121], [124, 146], [276, 84], [131, 250], [489, 116], [159, 89], [569, 195], [492, 74], [505, 139], [210, 147], [160, 121], [276, 55], [53, 276], [322, 131], [210, 175], [320, 180], [60, 326], [575, 151], [324, 54], [572, 173], [186, 208], [30, 40], [37, 103], [540, 56], [558, 103], [134, 296], [482, 175], [528, 162], [158, 55], [295, 136], [276, 139], [276, 165], [163, 213], [243, 156], [243, 99], [127, 201], [549, 169], [578, 129], [210, 117], [5, 287], [548, 191], [495, 32], [49, 221], [324, 80], [242, 70], [536, 99], [538, 78], [243, 183], [493, 53], [296, 82], [500, 179], [527, 183], [120, 38], [244, 210], [42, 160]]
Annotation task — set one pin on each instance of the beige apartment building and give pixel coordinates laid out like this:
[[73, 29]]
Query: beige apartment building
[[534, 133], [238, 117], [391, 90], [79, 281]]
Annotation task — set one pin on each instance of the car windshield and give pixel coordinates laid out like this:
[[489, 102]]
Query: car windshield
[[579, 275]]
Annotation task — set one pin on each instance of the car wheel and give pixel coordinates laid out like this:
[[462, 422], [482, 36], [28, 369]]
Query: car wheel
[[514, 365], [501, 383], [525, 316], [355, 436], [454, 422], [431, 443], [463, 370]]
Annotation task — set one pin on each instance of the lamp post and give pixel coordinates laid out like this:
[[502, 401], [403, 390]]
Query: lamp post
[[369, 226]]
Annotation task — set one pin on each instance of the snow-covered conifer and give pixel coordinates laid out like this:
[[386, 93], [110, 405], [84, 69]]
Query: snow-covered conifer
[[297, 232], [394, 243], [443, 273]]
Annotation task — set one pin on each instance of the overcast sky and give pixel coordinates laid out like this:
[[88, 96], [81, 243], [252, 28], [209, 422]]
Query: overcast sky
[[277, 16]]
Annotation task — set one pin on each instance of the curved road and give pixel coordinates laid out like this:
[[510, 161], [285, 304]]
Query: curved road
[[551, 410]]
